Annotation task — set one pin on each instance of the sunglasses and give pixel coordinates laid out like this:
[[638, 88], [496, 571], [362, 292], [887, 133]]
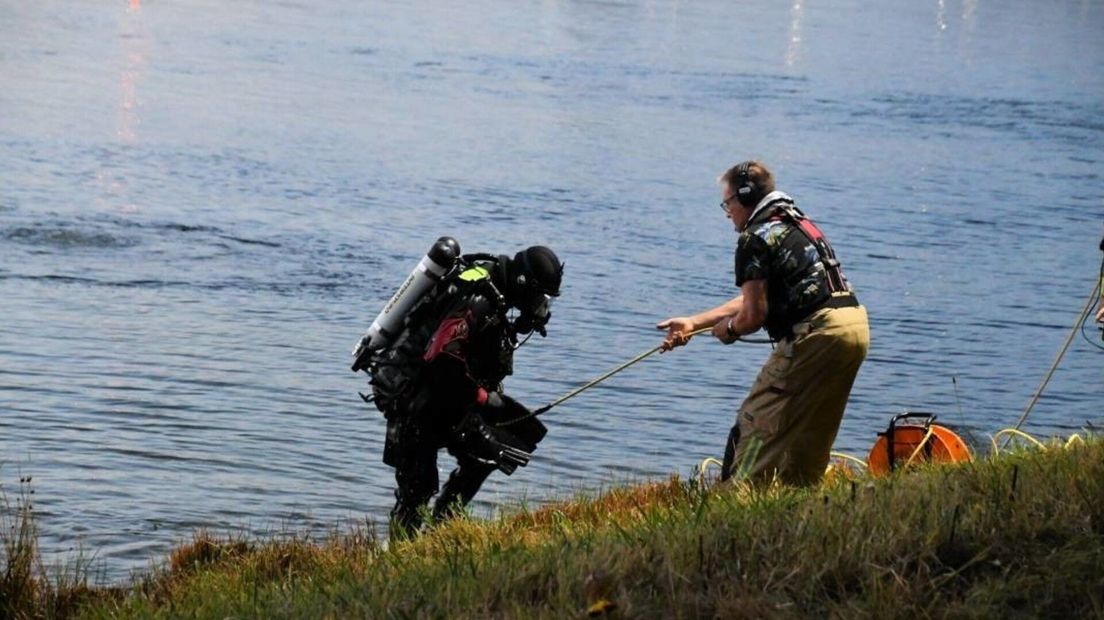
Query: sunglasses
[[724, 203]]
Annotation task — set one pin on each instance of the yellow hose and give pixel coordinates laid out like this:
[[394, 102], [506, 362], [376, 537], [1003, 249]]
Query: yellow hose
[[848, 457], [1074, 439], [1057, 360], [704, 465], [1018, 433]]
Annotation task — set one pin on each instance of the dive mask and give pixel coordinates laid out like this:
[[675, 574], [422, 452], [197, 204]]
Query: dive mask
[[535, 313]]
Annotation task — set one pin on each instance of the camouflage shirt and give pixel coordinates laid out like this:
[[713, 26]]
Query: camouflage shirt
[[775, 250]]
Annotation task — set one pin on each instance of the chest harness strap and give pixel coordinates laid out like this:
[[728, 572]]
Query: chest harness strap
[[832, 268]]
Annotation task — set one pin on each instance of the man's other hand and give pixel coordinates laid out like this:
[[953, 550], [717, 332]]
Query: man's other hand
[[721, 331]]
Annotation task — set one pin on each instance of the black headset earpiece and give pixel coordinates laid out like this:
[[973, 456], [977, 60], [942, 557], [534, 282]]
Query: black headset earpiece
[[746, 189]]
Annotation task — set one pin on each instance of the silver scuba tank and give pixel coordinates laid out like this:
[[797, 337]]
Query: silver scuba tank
[[440, 259]]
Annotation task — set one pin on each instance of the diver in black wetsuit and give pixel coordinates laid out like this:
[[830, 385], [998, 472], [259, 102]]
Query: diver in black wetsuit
[[440, 383]]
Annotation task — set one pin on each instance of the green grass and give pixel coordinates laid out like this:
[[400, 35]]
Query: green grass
[[27, 588], [1021, 535]]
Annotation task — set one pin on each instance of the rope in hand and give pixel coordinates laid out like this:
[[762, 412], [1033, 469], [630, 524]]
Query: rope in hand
[[593, 382]]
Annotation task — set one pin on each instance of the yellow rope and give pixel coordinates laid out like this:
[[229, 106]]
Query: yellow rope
[[601, 378], [1074, 439], [848, 457], [927, 436], [1057, 360], [1071, 441], [1018, 433], [704, 465]]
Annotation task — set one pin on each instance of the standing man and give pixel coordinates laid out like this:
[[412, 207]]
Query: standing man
[[791, 284], [440, 384]]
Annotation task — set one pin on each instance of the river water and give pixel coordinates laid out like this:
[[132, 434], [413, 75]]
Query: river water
[[203, 205]]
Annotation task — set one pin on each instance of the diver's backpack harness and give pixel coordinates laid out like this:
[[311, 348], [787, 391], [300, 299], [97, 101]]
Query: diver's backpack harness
[[394, 371]]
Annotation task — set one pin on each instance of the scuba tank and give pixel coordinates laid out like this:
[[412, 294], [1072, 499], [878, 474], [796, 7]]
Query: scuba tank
[[437, 263]]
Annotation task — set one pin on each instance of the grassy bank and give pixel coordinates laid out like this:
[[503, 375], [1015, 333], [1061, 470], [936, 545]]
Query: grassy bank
[[1019, 535]]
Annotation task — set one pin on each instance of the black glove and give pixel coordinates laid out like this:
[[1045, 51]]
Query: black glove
[[480, 442], [507, 414]]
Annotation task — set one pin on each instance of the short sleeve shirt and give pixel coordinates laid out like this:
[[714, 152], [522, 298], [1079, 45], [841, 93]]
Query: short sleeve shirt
[[776, 251]]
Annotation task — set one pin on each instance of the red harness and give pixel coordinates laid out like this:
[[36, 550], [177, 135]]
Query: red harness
[[836, 282]]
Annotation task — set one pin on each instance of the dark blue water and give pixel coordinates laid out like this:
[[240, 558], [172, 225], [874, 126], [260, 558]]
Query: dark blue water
[[203, 205]]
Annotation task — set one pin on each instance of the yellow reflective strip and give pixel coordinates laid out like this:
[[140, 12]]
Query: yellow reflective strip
[[474, 273]]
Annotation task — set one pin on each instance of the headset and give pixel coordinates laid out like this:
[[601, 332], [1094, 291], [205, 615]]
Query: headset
[[747, 192]]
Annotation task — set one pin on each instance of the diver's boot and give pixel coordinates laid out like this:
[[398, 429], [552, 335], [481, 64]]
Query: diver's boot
[[406, 516], [462, 485]]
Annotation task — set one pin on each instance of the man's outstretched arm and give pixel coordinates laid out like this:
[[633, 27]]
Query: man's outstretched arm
[[679, 328]]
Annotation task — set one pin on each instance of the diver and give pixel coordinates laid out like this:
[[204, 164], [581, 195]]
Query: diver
[[437, 356]]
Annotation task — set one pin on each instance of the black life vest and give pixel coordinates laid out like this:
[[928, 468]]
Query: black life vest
[[835, 293], [837, 283]]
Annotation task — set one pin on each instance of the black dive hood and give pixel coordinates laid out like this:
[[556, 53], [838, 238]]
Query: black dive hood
[[532, 280]]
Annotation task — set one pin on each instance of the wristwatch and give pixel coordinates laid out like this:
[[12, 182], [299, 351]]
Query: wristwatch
[[731, 332]]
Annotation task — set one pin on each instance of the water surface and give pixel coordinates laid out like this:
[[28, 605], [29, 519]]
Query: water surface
[[203, 204]]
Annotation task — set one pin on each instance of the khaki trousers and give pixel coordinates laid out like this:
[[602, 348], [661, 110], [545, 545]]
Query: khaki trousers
[[786, 426]]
